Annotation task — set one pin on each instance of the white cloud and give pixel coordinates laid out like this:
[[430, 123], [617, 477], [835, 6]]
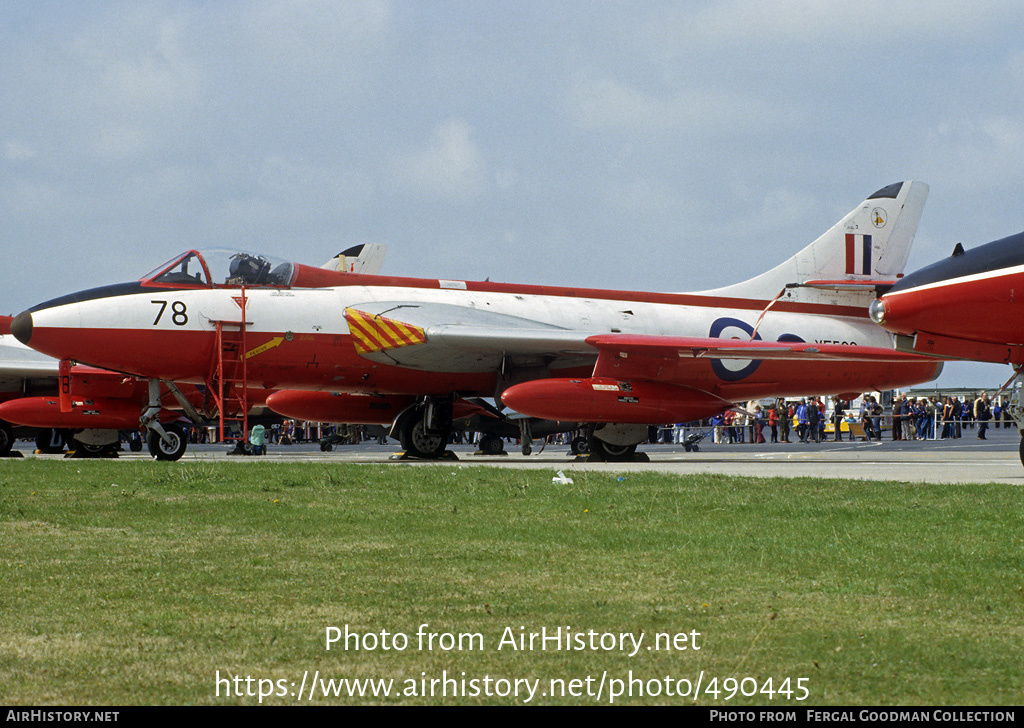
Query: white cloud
[[322, 44], [611, 105], [314, 189], [17, 150], [451, 167], [106, 92], [977, 152], [755, 24]]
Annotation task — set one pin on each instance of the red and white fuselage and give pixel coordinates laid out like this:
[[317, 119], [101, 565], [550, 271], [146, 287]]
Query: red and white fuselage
[[802, 327], [306, 338]]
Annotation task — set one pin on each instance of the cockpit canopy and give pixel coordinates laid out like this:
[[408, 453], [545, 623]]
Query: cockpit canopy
[[220, 268]]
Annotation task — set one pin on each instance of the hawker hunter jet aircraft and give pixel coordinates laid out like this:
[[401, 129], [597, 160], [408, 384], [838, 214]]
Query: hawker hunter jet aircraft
[[86, 407], [965, 307], [618, 360]]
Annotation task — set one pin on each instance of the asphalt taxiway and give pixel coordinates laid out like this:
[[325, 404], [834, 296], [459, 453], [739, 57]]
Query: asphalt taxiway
[[963, 460]]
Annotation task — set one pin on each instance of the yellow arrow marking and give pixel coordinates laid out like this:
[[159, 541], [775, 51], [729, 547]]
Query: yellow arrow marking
[[276, 341]]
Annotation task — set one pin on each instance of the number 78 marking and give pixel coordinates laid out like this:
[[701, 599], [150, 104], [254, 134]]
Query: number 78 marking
[[180, 317]]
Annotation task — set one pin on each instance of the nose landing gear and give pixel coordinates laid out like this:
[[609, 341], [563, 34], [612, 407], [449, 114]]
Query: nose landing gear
[[170, 445], [165, 442]]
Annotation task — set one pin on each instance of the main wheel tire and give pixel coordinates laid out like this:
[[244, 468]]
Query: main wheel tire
[[601, 450], [579, 446], [415, 439], [168, 451], [492, 445], [425, 445], [6, 438], [93, 451]]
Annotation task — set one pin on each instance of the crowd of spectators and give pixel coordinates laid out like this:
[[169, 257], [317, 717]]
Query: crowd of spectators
[[809, 420], [805, 420]]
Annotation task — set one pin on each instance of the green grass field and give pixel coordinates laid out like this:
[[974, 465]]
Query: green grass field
[[141, 582]]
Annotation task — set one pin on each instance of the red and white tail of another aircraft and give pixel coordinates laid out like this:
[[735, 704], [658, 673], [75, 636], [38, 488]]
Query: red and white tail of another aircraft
[[617, 360], [965, 307]]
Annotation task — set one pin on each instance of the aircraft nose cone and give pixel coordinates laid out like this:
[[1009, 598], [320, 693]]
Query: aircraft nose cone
[[877, 311], [21, 327]]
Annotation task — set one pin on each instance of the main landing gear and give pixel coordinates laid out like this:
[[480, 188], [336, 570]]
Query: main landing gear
[[94, 443], [607, 452], [423, 429], [491, 445], [615, 443]]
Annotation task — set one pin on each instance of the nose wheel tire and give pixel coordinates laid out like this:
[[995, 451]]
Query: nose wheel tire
[[172, 450]]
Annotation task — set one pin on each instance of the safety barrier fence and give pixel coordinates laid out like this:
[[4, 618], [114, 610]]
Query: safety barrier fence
[[937, 428]]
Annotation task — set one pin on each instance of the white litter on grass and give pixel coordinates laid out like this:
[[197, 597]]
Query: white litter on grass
[[561, 479]]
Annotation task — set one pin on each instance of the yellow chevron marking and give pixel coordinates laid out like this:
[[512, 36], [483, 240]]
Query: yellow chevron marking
[[377, 333]]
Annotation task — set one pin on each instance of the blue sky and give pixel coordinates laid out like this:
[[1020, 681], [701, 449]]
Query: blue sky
[[641, 145]]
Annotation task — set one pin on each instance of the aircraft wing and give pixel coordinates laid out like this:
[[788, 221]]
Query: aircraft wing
[[452, 338], [661, 357], [705, 348]]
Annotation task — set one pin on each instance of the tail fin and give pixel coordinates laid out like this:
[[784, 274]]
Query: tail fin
[[365, 258], [868, 247]]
